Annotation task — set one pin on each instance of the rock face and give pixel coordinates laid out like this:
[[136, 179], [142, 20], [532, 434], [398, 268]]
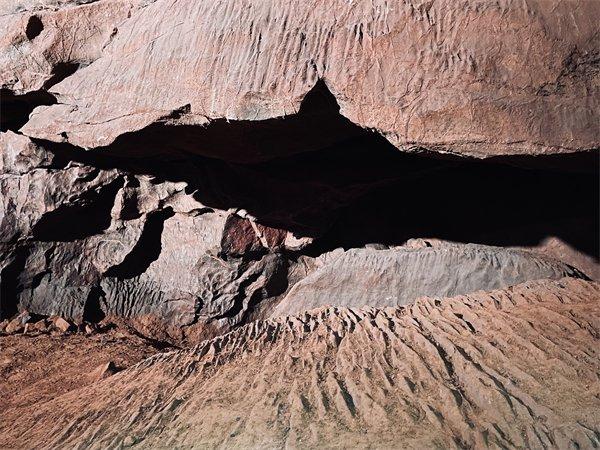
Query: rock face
[[44, 42], [425, 75], [218, 182], [196, 169], [83, 241], [476, 371], [395, 277]]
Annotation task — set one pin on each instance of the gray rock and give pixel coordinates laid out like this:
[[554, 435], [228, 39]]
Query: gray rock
[[379, 278]]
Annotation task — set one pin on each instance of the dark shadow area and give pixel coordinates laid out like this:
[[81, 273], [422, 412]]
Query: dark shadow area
[[146, 250], [477, 202], [92, 311], [15, 109], [34, 27], [90, 215], [9, 283], [61, 71], [318, 175], [317, 125]]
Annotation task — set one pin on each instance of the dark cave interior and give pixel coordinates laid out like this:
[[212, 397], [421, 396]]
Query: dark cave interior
[[319, 175]]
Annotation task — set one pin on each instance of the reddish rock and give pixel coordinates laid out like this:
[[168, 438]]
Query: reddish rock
[[239, 237], [17, 324], [56, 39], [42, 326], [423, 74], [61, 324], [271, 238]]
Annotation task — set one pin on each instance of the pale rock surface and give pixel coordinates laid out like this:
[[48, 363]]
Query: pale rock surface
[[474, 78], [398, 276], [484, 370], [43, 41]]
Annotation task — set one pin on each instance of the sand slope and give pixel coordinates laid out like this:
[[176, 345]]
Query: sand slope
[[511, 368]]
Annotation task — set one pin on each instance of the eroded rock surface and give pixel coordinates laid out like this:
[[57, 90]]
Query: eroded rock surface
[[83, 242], [161, 246], [425, 75], [509, 368], [44, 42], [395, 277]]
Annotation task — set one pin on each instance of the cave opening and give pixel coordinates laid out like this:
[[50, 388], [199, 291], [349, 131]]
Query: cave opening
[[317, 174]]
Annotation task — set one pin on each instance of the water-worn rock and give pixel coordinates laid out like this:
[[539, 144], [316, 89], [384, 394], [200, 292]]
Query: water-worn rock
[[82, 242], [425, 75], [395, 277], [484, 370], [229, 139], [43, 42]]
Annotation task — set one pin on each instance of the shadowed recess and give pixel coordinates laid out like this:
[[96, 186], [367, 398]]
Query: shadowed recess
[[15, 109], [88, 216], [146, 250], [317, 174]]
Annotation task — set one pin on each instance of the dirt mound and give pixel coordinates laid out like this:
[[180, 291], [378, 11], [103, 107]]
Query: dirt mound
[[510, 368]]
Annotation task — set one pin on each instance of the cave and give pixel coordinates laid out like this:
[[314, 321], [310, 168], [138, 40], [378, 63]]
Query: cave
[[315, 175], [284, 224]]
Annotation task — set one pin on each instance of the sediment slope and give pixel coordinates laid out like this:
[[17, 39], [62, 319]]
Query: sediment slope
[[509, 368]]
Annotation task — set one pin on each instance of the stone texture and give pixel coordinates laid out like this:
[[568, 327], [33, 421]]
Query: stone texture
[[43, 42], [395, 277], [230, 142], [104, 371], [484, 370], [471, 78], [84, 238], [61, 324], [82, 242]]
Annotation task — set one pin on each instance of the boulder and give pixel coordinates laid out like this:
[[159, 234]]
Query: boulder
[[61, 324], [17, 324], [42, 325], [14, 326]]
